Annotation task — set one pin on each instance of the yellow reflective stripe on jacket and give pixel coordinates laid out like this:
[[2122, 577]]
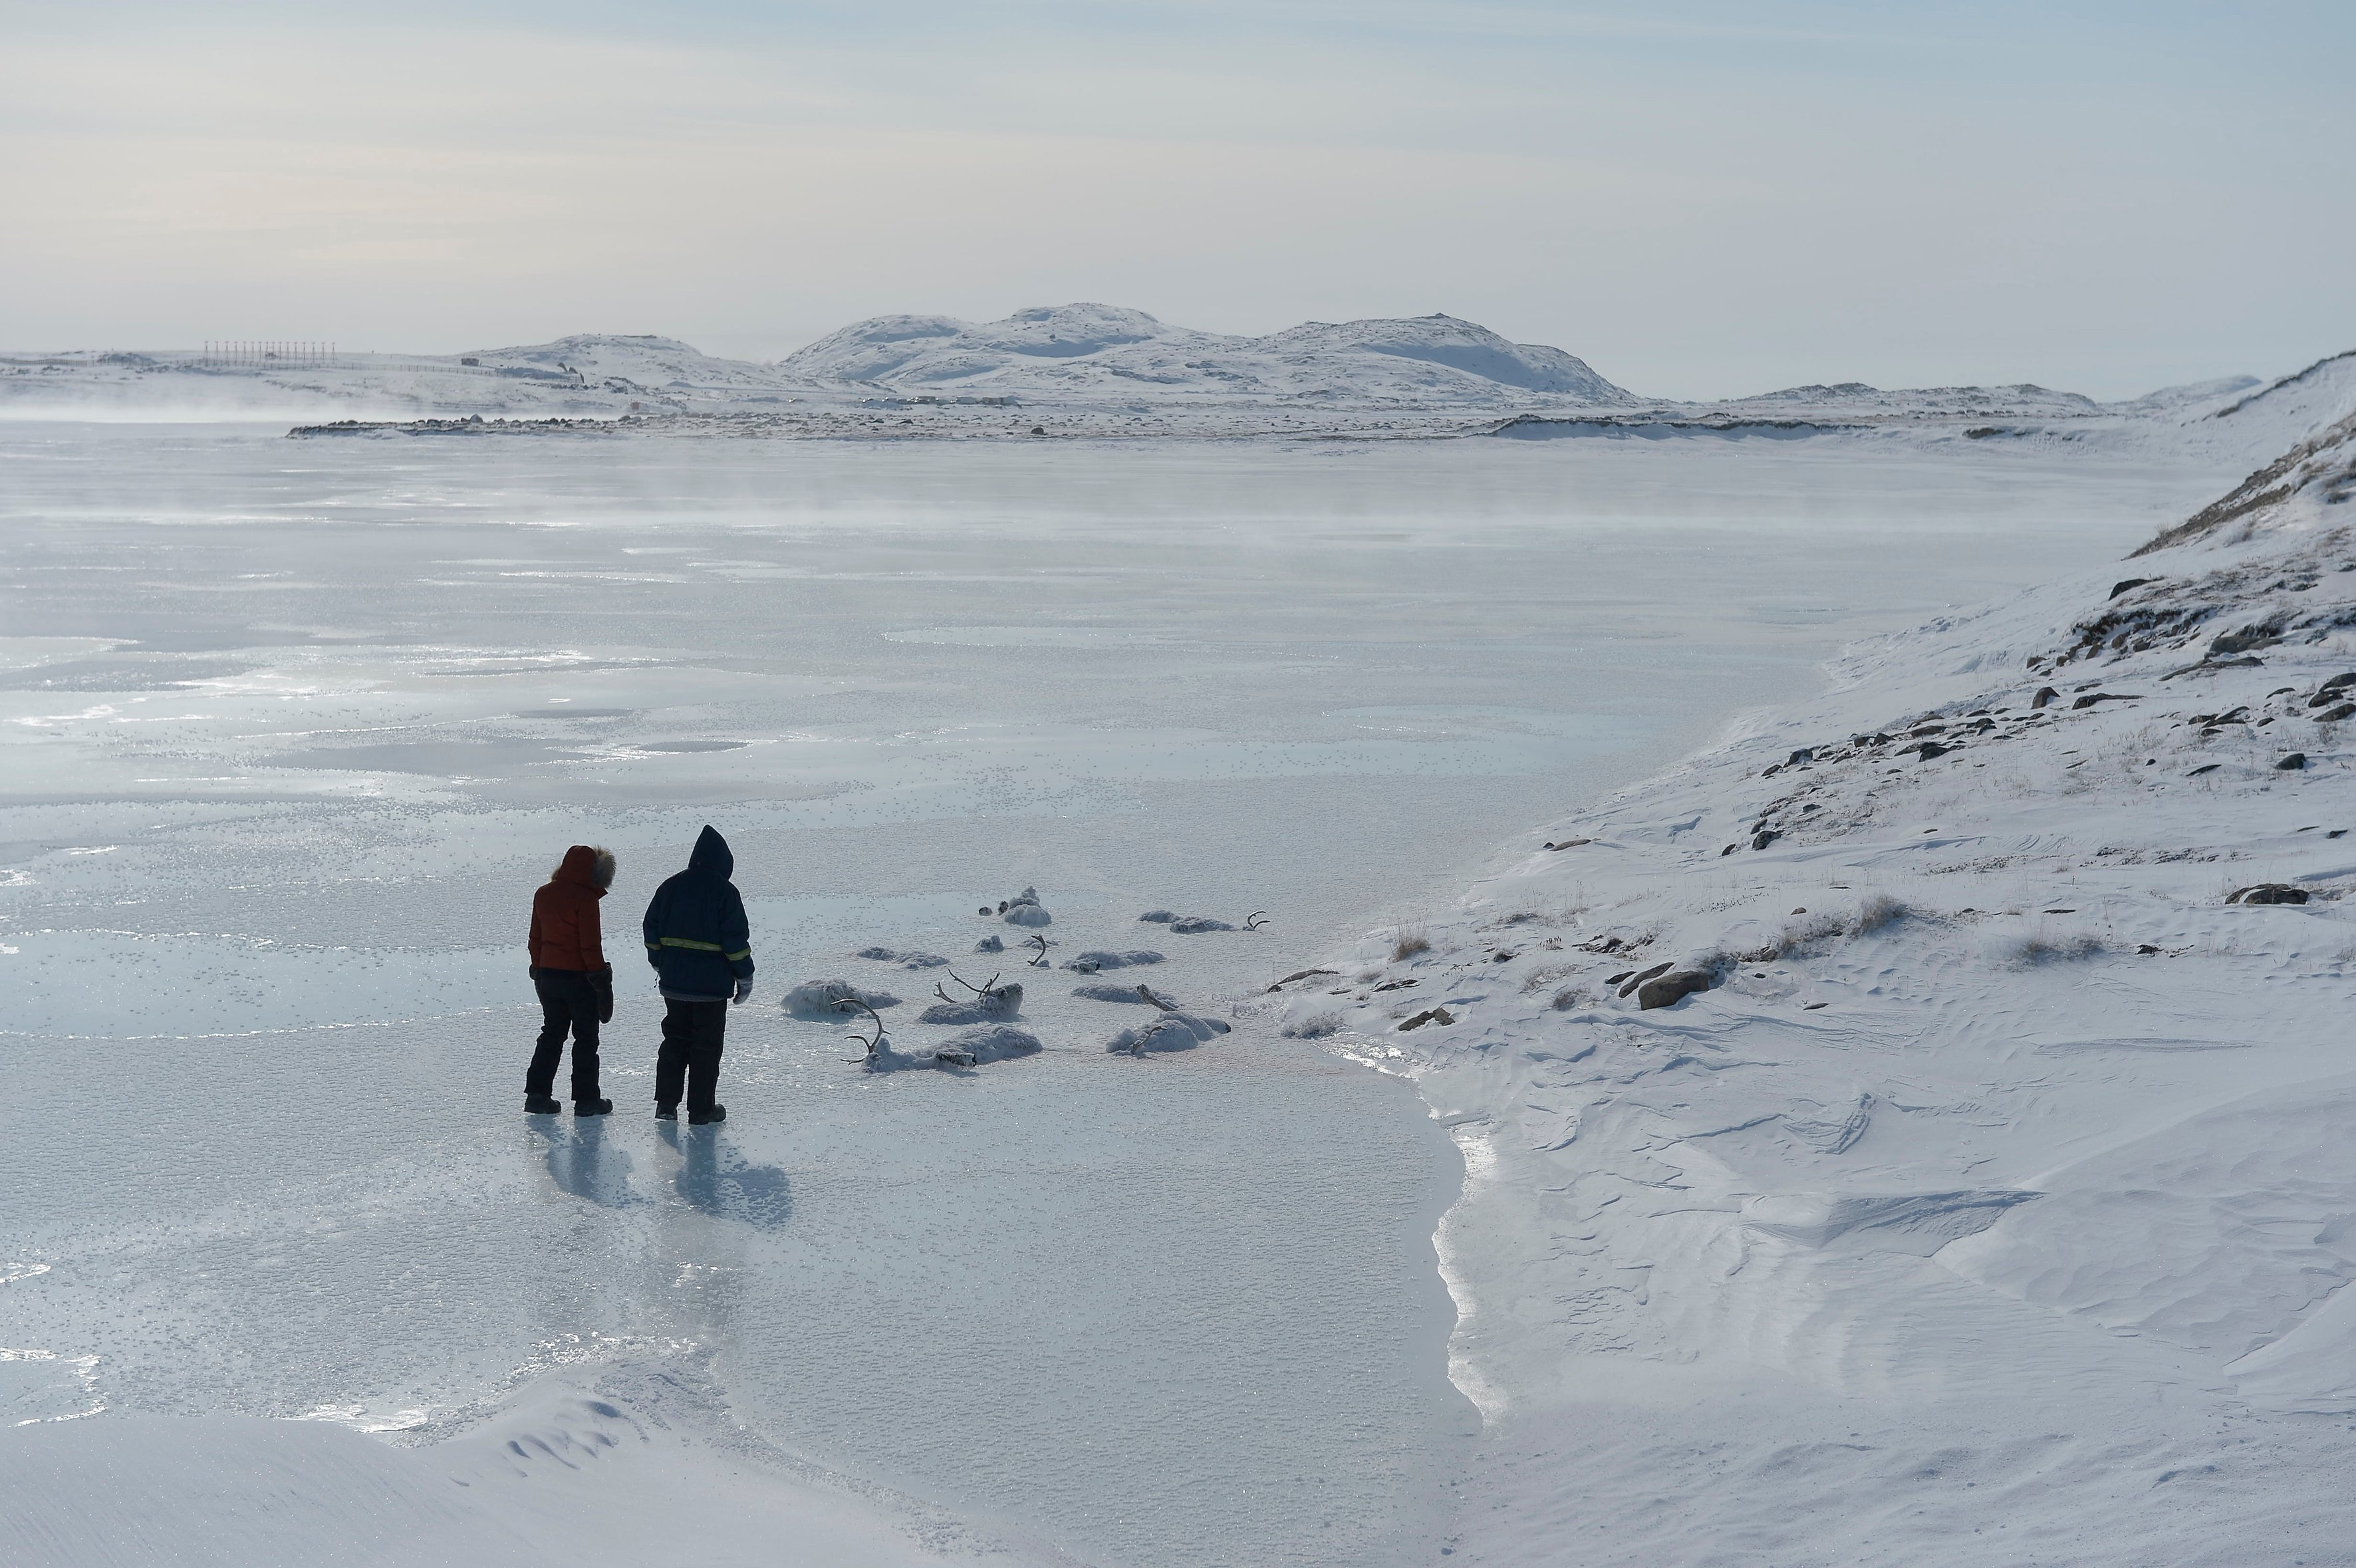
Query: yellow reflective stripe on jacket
[[695, 946]]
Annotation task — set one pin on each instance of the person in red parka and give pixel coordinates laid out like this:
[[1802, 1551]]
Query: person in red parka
[[574, 982]]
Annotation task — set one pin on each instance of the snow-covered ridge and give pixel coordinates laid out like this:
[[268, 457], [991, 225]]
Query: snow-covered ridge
[[1102, 371], [1099, 349], [1984, 1170]]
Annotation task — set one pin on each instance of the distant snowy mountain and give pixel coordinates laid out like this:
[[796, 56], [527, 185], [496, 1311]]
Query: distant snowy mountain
[[1855, 400], [1103, 372], [1105, 350], [663, 365]]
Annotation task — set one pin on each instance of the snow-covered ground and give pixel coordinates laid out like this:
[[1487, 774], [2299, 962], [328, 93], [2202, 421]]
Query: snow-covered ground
[[292, 728], [1985, 1193]]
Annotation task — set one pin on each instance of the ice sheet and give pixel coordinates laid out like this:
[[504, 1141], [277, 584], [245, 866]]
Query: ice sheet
[[291, 729]]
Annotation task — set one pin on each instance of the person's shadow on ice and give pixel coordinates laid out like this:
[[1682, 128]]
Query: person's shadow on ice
[[582, 1163], [717, 1181]]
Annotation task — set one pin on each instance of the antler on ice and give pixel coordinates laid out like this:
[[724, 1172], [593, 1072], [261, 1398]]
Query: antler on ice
[[846, 1004], [979, 991]]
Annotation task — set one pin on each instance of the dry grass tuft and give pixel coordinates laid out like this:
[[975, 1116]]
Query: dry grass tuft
[[1876, 911], [1546, 974], [2044, 947], [1410, 941]]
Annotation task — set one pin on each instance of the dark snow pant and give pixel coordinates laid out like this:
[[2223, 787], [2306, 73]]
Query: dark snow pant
[[689, 1054], [568, 1001]]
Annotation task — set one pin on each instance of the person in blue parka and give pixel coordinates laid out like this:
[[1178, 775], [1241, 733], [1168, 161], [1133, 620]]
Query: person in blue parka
[[697, 940]]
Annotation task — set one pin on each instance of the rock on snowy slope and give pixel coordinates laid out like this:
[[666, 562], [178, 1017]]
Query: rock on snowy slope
[[1074, 350], [1992, 1193]]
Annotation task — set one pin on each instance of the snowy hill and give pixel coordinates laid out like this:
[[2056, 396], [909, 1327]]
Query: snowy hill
[[1855, 400], [2298, 489], [1074, 350], [659, 366], [2289, 410], [1922, 1119], [591, 374]]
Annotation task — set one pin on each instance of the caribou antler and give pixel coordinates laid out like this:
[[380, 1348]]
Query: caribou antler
[[846, 1004], [1255, 921], [989, 990], [1041, 961]]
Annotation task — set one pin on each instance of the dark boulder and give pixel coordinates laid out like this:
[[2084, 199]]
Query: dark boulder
[[1670, 989], [2241, 642], [1635, 979], [2044, 695], [2118, 588], [2267, 893], [2291, 764]]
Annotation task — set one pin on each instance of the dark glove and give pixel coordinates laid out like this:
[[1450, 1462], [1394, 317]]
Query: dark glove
[[744, 989], [602, 982]]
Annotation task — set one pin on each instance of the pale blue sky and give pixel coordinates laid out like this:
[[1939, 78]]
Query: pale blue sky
[[1700, 198]]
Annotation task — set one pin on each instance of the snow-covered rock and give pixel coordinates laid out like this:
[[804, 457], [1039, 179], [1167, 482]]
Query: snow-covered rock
[[969, 1048], [909, 960], [990, 1004], [832, 999], [1108, 991], [1094, 960], [1025, 909], [1173, 1030]]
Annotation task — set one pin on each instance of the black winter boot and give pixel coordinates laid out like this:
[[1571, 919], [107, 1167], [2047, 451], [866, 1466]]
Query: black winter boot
[[666, 1113], [592, 1107], [699, 1118], [539, 1105]]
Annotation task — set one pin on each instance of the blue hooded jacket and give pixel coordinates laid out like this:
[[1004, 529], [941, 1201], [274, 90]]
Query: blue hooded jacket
[[697, 937]]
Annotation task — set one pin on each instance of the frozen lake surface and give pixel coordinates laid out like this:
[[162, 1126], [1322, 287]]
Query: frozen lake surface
[[292, 729]]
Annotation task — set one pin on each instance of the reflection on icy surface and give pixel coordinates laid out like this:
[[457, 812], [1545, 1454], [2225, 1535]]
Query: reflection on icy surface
[[292, 730]]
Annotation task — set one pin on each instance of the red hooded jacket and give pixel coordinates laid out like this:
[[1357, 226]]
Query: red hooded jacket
[[564, 933]]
